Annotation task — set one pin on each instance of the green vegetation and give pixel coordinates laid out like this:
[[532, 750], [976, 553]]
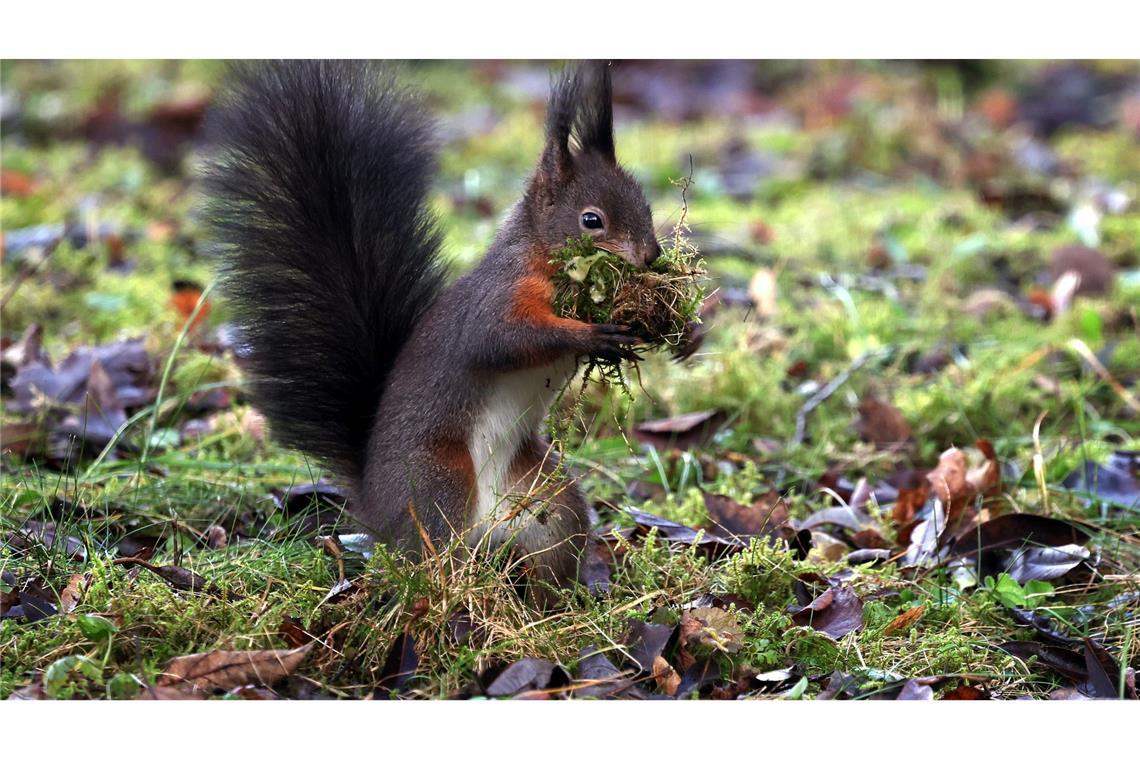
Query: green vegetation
[[865, 248]]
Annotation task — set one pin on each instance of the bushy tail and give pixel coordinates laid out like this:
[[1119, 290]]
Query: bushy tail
[[317, 203]]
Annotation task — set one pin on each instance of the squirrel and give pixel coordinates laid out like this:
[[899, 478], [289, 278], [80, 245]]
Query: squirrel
[[426, 399]]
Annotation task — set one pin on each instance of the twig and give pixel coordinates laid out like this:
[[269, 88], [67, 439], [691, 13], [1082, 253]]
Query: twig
[[824, 393], [28, 270], [1086, 353]]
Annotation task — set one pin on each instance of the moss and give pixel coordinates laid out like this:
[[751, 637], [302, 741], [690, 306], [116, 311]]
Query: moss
[[657, 303]]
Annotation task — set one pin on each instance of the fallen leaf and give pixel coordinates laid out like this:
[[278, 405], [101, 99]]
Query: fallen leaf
[[341, 591], [599, 678], [1114, 482], [696, 677], [904, 620], [401, 664], [253, 693], [883, 425], [914, 689], [31, 692], [677, 533], [835, 613], [948, 479], [184, 298], [293, 632], [312, 507], [868, 556], [964, 692], [226, 669], [762, 518], [646, 641], [71, 595], [1103, 670], [527, 674], [1094, 272], [925, 539], [596, 570], [907, 504], [1044, 563], [179, 577], [667, 679], [684, 431], [168, 693], [1017, 530], [762, 291], [1058, 659], [708, 629], [844, 517], [16, 184]]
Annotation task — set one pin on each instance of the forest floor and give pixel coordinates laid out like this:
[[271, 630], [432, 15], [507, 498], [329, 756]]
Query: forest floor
[[904, 463]]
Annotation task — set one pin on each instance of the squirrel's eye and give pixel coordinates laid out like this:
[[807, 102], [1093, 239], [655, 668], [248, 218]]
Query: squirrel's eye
[[591, 220]]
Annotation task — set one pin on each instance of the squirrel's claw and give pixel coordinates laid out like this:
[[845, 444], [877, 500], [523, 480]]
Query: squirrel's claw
[[691, 340], [613, 343]]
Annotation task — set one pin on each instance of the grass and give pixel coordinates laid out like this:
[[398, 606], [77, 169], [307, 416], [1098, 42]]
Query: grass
[[1006, 377]]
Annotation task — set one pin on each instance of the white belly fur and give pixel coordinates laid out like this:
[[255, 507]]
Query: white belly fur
[[513, 410]]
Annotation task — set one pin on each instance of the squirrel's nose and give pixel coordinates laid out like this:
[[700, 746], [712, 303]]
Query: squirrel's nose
[[654, 253]]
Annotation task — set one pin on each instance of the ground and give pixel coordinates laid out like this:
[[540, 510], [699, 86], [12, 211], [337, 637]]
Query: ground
[[910, 472]]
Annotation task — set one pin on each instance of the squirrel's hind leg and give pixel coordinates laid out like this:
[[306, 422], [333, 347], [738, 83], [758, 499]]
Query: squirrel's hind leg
[[550, 527]]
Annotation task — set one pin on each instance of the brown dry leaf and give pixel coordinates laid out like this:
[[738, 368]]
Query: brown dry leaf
[[687, 632], [167, 693], [904, 620], [216, 537], [908, 503], [184, 300], [73, 592], [956, 482], [964, 692], [711, 628], [762, 291], [882, 424], [1095, 273], [834, 613], [985, 478], [948, 479], [766, 514], [293, 632], [667, 679], [17, 184], [681, 432], [226, 669]]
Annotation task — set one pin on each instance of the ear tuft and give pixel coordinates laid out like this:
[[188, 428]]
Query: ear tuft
[[580, 113]]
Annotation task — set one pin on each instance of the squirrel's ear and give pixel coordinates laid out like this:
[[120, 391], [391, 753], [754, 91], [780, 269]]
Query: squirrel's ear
[[594, 117], [557, 162], [580, 116]]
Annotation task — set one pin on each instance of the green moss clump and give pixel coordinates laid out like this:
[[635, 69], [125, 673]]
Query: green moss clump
[[658, 303]]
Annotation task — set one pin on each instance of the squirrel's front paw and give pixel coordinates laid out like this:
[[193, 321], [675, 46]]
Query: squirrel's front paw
[[691, 340], [612, 343]]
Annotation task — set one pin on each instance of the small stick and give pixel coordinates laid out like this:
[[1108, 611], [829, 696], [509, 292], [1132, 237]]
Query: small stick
[[824, 393], [29, 270], [1086, 353]]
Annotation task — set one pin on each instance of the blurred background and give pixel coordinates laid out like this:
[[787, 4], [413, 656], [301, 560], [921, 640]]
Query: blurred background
[[931, 208]]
